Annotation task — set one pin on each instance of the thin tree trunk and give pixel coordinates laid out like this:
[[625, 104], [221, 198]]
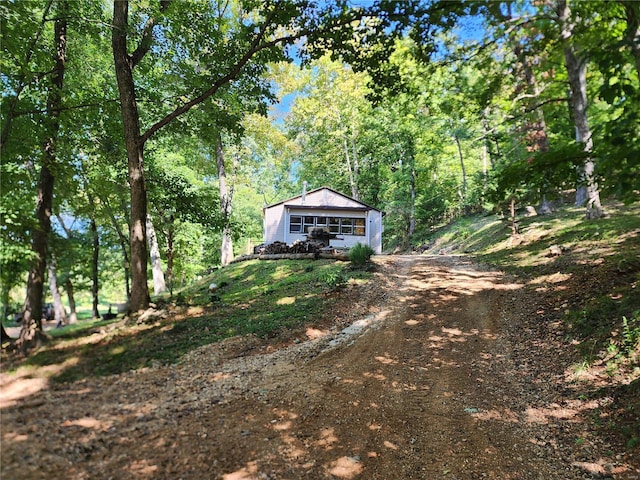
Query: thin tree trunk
[[95, 279], [73, 315], [31, 333], [356, 169], [170, 253], [512, 218], [347, 157], [486, 135], [93, 227], [576, 65], [58, 307], [537, 139], [159, 285], [123, 247], [464, 170], [412, 214], [226, 249], [124, 64]]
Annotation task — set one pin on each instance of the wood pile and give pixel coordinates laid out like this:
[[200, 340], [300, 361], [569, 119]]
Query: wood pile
[[278, 248]]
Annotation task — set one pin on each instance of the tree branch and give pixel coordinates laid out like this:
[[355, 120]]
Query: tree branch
[[235, 70], [147, 36], [255, 47], [543, 103]]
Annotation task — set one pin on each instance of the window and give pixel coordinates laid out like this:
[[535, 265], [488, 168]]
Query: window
[[309, 224], [299, 224], [295, 224], [346, 226], [334, 225]]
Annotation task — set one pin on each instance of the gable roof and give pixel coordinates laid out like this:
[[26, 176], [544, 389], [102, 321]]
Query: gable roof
[[365, 206]]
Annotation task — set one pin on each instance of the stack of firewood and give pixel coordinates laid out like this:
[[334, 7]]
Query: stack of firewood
[[277, 248]]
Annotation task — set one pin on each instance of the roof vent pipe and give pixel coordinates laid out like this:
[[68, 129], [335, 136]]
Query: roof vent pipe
[[304, 191]]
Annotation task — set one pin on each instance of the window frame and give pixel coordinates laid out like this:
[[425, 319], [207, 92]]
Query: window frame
[[350, 226]]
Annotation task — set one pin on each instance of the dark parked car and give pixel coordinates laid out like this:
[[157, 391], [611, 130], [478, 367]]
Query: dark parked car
[[48, 313]]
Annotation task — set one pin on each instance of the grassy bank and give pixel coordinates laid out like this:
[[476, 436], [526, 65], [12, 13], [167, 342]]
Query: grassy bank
[[261, 298]]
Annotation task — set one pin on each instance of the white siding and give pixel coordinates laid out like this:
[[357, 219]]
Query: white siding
[[274, 224]]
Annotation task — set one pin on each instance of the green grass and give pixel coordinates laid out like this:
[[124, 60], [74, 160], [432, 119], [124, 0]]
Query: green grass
[[262, 298]]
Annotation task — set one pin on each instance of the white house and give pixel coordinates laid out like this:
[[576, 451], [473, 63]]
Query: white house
[[351, 220]]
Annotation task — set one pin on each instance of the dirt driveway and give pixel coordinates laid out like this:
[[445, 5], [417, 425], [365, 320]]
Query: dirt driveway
[[441, 377]]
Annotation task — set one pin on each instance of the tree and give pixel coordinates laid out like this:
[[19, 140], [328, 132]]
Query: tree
[[576, 65], [330, 132], [235, 45], [31, 331]]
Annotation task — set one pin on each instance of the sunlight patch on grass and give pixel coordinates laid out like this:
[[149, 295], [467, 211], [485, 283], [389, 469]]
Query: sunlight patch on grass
[[553, 278], [286, 301], [118, 350]]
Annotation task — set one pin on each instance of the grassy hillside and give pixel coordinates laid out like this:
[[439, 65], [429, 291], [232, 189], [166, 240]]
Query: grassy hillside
[[599, 260], [261, 298]]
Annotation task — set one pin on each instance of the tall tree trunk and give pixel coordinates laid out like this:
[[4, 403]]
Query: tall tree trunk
[[73, 314], [159, 285], [58, 307], [356, 169], [123, 247], [31, 332], [536, 138], [347, 157], [226, 249], [95, 279], [93, 228], [486, 133], [135, 156], [576, 65], [170, 252], [464, 170], [412, 211]]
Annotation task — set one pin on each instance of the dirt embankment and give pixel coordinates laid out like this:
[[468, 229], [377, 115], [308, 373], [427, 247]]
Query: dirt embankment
[[442, 377]]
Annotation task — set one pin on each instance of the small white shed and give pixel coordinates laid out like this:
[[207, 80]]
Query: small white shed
[[352, 221]]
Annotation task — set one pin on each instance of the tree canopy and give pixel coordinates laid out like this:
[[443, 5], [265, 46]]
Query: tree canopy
[[117, 114]]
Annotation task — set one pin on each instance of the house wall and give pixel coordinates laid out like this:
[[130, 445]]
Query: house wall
[[375, 231], [276, 219], [274, 224]]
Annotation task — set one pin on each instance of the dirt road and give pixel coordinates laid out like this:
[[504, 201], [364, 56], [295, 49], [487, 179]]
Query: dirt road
[[436, 381]]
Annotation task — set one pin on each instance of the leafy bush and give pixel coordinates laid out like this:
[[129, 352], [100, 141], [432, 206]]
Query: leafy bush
[[630, 333], [360, 254], [335, 279]]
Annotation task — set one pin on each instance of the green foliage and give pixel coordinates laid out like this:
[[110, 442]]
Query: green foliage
[[335, 279], [255, 297], [360, 254], [631, 334]]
